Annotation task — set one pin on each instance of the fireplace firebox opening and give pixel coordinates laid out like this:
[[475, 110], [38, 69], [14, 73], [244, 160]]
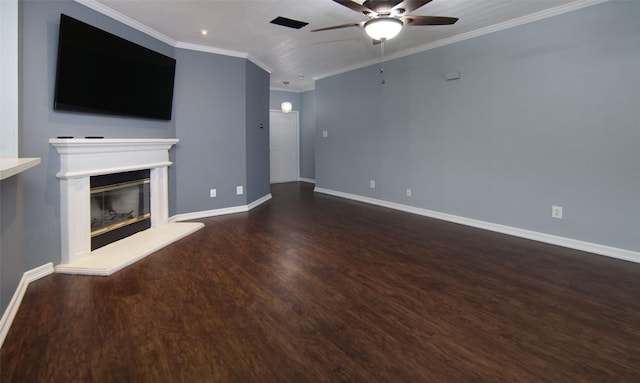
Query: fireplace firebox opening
[[120, 206]]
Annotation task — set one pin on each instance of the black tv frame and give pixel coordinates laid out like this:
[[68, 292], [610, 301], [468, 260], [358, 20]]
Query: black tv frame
[[99, 72]]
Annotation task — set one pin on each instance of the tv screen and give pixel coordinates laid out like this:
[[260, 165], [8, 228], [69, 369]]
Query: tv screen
[[99, 72]]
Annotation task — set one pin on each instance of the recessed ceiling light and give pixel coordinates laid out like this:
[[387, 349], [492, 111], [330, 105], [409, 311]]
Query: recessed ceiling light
[[204, 32]]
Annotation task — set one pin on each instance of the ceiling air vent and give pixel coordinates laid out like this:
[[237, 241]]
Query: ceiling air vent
[[295, 24]]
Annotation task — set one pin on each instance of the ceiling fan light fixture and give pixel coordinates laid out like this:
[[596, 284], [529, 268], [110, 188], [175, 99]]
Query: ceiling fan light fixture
[[383, 28]]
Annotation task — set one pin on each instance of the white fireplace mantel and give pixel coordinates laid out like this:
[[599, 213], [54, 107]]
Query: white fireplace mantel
[[82, 158]]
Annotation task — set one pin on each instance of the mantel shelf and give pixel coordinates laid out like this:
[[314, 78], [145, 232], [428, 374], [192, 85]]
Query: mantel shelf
[[81, 157], [11, 166]]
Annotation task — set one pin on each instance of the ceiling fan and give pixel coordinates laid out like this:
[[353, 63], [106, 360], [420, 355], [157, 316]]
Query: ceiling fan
[[387, 17]]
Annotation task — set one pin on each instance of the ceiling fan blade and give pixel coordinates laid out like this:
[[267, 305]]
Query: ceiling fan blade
[[411, 5], [428, 20], [382, 7], [355, 24], [355, 6]]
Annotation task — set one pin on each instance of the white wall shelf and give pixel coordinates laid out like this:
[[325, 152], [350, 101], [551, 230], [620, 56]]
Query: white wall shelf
[[11, 166]]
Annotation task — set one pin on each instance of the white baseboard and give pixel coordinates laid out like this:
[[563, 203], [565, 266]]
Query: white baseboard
[[613, 252], [12, 309], [308, 180], [258, 202], [223, 211]]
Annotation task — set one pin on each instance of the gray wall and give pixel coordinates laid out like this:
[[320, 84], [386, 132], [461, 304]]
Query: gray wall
[[11, 238], [308, 135], [219, 104], [543, 114], [257, 135], [210, 117], [304, 103]]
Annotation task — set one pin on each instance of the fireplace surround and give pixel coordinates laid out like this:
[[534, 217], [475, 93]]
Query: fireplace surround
[[80, 159]]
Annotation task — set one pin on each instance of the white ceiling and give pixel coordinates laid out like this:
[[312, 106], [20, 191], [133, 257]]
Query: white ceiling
[[241, 28]]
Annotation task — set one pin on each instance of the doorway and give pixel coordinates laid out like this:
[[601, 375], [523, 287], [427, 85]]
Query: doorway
[[284, 146]]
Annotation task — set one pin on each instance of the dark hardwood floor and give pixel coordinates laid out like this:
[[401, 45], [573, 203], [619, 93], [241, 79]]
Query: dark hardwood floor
[[313, 288]]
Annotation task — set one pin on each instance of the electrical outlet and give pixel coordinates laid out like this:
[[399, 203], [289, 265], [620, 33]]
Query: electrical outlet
[[372, 184], [213, 193], [556, 212], [239, 190], [408, 192], [325, 134]]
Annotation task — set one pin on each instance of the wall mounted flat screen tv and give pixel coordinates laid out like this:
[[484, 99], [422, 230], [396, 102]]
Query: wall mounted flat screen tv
[[98, 72]]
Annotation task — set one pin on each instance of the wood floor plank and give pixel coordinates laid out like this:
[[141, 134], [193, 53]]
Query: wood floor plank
[[314, 288]]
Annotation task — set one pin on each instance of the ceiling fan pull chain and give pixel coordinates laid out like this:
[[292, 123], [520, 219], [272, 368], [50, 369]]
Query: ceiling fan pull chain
[[382, 62]]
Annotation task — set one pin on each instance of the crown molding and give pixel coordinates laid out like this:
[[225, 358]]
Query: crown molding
[[292, 90], [259, 63], [573, 6], [224, 52], [207, 49], [101, 8]]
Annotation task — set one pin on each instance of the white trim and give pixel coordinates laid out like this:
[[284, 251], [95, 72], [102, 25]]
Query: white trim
[[224, 52], [308, 180], [207, 49], [258, 202], [12, 309], [126, 20], [259, 63], [223, 211], [119, 169], [291, 90], [613, 252], [208, 213], [573, 6]]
